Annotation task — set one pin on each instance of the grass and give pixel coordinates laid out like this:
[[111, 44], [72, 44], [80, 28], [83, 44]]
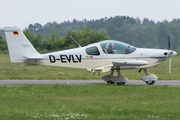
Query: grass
[[86, 102], [89, 102], [12, 71]]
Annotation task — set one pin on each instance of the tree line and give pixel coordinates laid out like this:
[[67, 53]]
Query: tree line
[[140, 33], [55, 42]]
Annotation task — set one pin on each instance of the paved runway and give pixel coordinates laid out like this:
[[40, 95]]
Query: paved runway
[[84, 82]]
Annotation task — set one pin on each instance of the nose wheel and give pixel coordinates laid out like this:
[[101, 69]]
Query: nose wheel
[[150, 82]]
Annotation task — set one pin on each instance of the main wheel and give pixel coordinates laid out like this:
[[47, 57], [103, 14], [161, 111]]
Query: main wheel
[[150, 82], [110, 82], [120, 83]]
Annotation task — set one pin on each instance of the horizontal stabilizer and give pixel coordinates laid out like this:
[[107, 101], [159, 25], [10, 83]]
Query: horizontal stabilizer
[[34, 57], [130, 63]]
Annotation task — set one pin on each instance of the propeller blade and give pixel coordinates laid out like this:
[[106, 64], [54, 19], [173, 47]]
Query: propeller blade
[[169, 44], [169, 65]]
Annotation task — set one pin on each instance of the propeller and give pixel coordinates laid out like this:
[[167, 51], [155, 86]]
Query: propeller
[[170, 54]]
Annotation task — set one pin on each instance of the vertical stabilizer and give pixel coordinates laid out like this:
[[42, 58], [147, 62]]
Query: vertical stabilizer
[[18, 45]]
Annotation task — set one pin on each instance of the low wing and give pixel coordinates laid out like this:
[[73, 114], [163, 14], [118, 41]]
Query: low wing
[[130, 63], [126, 64]]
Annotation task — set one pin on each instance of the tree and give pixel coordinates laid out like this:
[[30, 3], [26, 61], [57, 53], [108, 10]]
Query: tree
[[84, 36], [149, 37], [146, 21], [126, 34], [163, 35], [175, 35], [35, 40], [3, 44]]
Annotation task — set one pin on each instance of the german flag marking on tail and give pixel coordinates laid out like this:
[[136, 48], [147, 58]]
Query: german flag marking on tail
[[16, 33]]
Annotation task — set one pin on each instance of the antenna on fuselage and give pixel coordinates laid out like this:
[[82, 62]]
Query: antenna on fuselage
[[75, 41]]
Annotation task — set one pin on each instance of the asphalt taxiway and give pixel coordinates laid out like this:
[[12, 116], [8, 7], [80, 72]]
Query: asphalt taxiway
[[84, 82]]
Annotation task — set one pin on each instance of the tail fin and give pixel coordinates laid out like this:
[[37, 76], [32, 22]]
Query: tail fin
[[20, 49]]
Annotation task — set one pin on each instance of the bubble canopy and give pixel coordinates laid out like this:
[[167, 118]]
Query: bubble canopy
[[116, 47]]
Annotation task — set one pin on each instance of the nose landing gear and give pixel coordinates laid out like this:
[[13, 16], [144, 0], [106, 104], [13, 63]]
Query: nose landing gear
[[149, 78]]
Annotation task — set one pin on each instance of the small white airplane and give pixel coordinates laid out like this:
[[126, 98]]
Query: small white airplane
[[103, 56]]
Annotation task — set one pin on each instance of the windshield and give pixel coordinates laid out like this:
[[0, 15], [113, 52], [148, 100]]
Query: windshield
[[116, 47]]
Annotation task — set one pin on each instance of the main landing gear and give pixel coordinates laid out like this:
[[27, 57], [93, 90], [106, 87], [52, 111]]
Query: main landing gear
[[121, 80], [112, 79]]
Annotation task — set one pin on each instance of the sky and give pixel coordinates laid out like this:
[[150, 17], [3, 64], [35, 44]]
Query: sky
[[21, 13]]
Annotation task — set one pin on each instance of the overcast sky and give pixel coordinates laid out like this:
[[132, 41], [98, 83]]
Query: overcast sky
[[21, 13]]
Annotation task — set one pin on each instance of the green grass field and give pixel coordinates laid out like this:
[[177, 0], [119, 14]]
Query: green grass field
[[11, 71], [66, 102]]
